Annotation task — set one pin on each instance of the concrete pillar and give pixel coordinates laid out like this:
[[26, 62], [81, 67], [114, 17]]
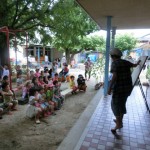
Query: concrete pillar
[[34, 51], [107, 54], [39, 55], [113, 37]]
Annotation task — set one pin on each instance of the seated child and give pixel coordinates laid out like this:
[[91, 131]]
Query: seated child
[[25, 91], [50, 80], [55, 77], [73, 85], [31, 74], [18, 70], [49, 96], [81, 83], [33, 110], [41, 102], [37, 73], [35, 83], [57, 95], [19, 81], [50, 72], [42, 73], [48, 109], [41, 82], [5, 79], [46, 74], [9, 103]]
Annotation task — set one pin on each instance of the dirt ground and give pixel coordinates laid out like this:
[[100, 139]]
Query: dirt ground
[[17, 132]]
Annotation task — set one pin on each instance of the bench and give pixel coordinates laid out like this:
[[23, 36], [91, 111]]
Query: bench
[[65, 92]]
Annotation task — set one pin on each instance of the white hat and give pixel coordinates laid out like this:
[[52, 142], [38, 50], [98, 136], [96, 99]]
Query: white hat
[[116, 52]]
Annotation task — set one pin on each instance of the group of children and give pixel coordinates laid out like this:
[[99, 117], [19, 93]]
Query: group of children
[[42, 93], [43, 101]]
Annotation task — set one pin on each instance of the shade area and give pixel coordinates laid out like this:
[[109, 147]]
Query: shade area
[[127, 14]]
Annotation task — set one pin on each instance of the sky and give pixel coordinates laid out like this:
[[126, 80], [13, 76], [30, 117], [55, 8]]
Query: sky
[[136, 32]]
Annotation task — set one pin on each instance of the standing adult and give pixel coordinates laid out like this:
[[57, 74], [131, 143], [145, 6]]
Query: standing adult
[[88, 68], [63, 61], [120, 86]]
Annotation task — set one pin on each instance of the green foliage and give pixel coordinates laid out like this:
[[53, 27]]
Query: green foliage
[[125, 42], [98, 69], [72, 24], [60, 21], [93, 43], [31, 15]]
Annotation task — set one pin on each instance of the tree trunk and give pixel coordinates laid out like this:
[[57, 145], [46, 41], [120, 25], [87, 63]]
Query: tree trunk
[[67, 55], [72, 56], [4, 53]]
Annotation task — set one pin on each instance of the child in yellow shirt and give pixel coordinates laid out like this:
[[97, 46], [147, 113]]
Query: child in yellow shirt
[[73, 85]]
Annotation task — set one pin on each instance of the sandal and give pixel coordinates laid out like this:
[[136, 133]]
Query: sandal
[[113, 131]]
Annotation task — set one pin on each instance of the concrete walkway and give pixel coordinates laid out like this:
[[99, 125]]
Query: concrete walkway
[[135, 135], [75, 133]]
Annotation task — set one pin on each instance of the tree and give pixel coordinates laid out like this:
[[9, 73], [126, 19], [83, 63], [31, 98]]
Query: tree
[[97, 43], [71, 27], [33, 16], [61, 20], [125, 42]]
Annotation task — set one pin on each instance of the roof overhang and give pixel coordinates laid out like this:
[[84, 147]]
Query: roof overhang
[[127, 14]]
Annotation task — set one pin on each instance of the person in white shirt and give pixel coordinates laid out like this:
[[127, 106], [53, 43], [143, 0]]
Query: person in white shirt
[[5, 71], [63, 61]]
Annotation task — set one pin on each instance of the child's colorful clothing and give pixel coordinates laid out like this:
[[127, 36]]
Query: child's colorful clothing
[[57, 96], [55, 78], [50, 81], [49, 94], [8, 99], [37, 74], [32, 110], [72, 84], [19, 81]]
